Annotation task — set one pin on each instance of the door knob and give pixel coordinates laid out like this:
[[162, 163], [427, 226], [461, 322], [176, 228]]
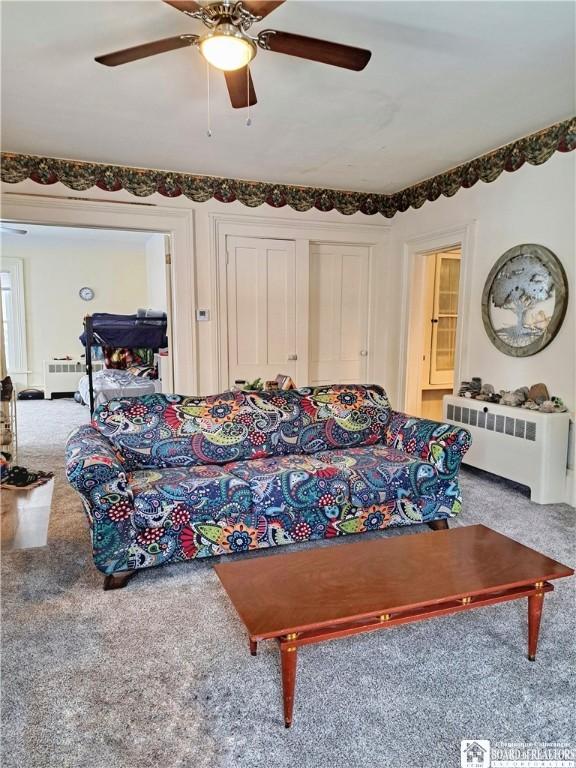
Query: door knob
[[292, 357], [363, 353]]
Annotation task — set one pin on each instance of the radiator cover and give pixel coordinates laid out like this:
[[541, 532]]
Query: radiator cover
[[522, 445], [61, 376]]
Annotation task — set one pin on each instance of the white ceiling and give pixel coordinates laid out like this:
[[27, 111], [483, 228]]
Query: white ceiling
[[38, 233], [447, 82]]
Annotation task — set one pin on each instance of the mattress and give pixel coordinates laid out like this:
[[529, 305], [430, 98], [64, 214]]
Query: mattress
[[110, 383]]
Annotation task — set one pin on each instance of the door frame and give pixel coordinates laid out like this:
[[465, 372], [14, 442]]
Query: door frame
[[176, 223], [302, 233], [16, 265], [413, 306]]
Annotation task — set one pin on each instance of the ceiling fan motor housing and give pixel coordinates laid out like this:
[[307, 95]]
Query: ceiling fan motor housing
[[234, 13]]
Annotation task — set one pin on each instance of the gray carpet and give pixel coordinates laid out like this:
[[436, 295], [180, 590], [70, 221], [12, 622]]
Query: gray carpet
[[159, 674]]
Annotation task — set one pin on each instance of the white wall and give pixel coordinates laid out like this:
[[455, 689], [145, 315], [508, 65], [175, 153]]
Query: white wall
[[348, 228], [534, 205], [54, 271], [203, 256]]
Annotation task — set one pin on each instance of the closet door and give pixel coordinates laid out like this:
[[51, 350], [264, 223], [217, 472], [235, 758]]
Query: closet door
[[338, 313], [261, 286]]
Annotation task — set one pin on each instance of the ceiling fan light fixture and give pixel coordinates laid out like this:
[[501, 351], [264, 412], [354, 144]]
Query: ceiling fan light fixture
[[227, 48]]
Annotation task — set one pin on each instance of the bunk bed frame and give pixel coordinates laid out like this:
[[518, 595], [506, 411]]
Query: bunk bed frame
[[89, 331], [92, 336]]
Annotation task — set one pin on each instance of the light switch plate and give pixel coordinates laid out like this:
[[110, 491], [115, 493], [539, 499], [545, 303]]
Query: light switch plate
[[202, 315]]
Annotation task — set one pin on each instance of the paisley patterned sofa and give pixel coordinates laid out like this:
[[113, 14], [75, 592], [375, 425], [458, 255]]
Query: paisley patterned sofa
[[166, 478]]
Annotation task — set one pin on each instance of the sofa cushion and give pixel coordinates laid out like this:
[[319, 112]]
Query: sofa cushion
[[378, 474], [172, 497], [174, 431], [284, 485], [341, 416]]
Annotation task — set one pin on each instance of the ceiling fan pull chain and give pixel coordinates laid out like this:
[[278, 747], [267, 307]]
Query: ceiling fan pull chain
[[249, 119], [209, 115]]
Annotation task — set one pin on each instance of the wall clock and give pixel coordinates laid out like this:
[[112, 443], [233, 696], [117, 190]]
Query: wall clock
[[524, 300], [86, 294]]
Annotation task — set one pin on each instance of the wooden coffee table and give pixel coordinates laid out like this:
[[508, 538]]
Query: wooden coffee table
[[321, 594]]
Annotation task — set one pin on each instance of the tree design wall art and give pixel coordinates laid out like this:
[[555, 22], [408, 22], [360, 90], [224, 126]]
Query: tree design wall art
[[524, 300]]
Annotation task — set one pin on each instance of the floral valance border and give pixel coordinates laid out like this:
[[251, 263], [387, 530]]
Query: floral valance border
[[141, 182]]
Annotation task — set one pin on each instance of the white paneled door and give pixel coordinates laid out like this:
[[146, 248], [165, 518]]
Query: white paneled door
[[338, 345], [261, 285]]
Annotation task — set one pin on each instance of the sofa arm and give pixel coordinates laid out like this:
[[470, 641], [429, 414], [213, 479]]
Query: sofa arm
[[443, 445], [96, 472]]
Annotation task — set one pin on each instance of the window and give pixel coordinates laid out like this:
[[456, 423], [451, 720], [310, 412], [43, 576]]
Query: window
[[13, 317], [6, 287]]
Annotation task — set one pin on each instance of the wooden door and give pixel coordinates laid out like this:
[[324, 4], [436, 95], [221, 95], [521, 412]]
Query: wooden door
[[261, 286], [338, 345]]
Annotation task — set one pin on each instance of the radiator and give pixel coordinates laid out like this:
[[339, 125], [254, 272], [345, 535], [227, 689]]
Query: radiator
[[522, 445], [62, 376]]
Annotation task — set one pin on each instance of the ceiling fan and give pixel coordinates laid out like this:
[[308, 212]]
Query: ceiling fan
[[4, 230], [228, 45]]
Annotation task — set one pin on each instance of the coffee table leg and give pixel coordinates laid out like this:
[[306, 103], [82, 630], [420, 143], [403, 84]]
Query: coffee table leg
[[253, 647], [288, 657], [535, 604]]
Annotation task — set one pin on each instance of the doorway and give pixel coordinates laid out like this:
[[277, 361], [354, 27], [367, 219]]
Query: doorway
[[51, 277], [177, 224], [441, 291], [432, 339]]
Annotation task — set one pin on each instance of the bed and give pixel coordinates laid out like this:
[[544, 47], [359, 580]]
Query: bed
[[110, 383], [129, 345]]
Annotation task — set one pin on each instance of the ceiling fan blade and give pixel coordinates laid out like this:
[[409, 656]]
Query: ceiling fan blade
[[240, 88], [11, 231], [316, 50], [260, 7], [145, 50], [186, 6]]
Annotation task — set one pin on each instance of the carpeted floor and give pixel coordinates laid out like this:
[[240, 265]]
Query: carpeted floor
[[158, 675]]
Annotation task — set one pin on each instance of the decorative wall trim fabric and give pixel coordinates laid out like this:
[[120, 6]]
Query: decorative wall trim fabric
[[142, 182]]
